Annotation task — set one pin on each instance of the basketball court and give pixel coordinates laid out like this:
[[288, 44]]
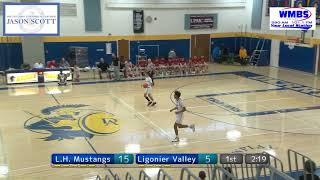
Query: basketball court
[[77, 78], [234, 111]]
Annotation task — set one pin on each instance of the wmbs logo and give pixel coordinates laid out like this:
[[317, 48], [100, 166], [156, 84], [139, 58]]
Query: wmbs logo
[[299, 14], [292, 18]]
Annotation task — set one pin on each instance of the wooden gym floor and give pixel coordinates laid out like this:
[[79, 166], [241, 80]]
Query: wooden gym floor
[[235, 109]]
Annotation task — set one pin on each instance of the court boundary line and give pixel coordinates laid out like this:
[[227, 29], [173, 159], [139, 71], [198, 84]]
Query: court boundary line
[[245, 74], [275, 112], [244, 127], [108, 81], [212, 105], [281, 84], [149, 121], [216, 120], [52, 95]]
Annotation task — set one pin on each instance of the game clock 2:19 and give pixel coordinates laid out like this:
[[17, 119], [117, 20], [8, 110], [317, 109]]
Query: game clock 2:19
[[257, 158]]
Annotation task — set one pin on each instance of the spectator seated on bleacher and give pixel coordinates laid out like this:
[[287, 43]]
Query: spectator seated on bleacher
[[103, 67], [216, 54], [128, 69], [38, 65], [243, 56], [224, 53], [175, 63], [204, 66], [231, 58], [52, 64], [309, 170], [64, 63], [183, 66], [192, 66], [163, 66], [142, 64]]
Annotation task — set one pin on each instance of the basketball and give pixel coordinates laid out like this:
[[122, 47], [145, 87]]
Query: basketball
[[145, 85]]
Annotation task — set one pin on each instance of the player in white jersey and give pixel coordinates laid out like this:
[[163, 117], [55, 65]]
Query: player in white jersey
[[148, 91], [62, 79], [180, 108]]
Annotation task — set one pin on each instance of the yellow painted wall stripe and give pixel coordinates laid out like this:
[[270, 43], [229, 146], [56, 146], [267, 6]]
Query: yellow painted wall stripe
[[114, 38], [5, 39]]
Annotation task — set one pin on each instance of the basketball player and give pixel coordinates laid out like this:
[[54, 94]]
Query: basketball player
[[62, 79], [180, 108], [148, 90], [150, 70]]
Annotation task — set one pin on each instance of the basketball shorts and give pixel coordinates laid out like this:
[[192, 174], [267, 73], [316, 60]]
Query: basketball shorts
[[148, 90], [179, 118]]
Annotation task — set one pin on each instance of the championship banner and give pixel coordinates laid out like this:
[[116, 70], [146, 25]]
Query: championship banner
[[52, 76], [16, 78], [302, 3], [31, 19], [277, 3], [138, 21], [201, 21]]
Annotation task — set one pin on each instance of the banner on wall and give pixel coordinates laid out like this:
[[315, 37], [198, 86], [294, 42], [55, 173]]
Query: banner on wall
[[138, 21], [276, 3], [108, 48], [28, 77], [52, 76], [310, 3], [292, 18], [303, 3], [31, 19], [201, 21]]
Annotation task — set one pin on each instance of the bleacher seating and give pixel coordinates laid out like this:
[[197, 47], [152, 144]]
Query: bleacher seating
[[173, 67]]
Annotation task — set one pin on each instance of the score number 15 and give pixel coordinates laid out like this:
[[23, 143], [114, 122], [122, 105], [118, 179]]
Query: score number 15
[[124, 159]]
